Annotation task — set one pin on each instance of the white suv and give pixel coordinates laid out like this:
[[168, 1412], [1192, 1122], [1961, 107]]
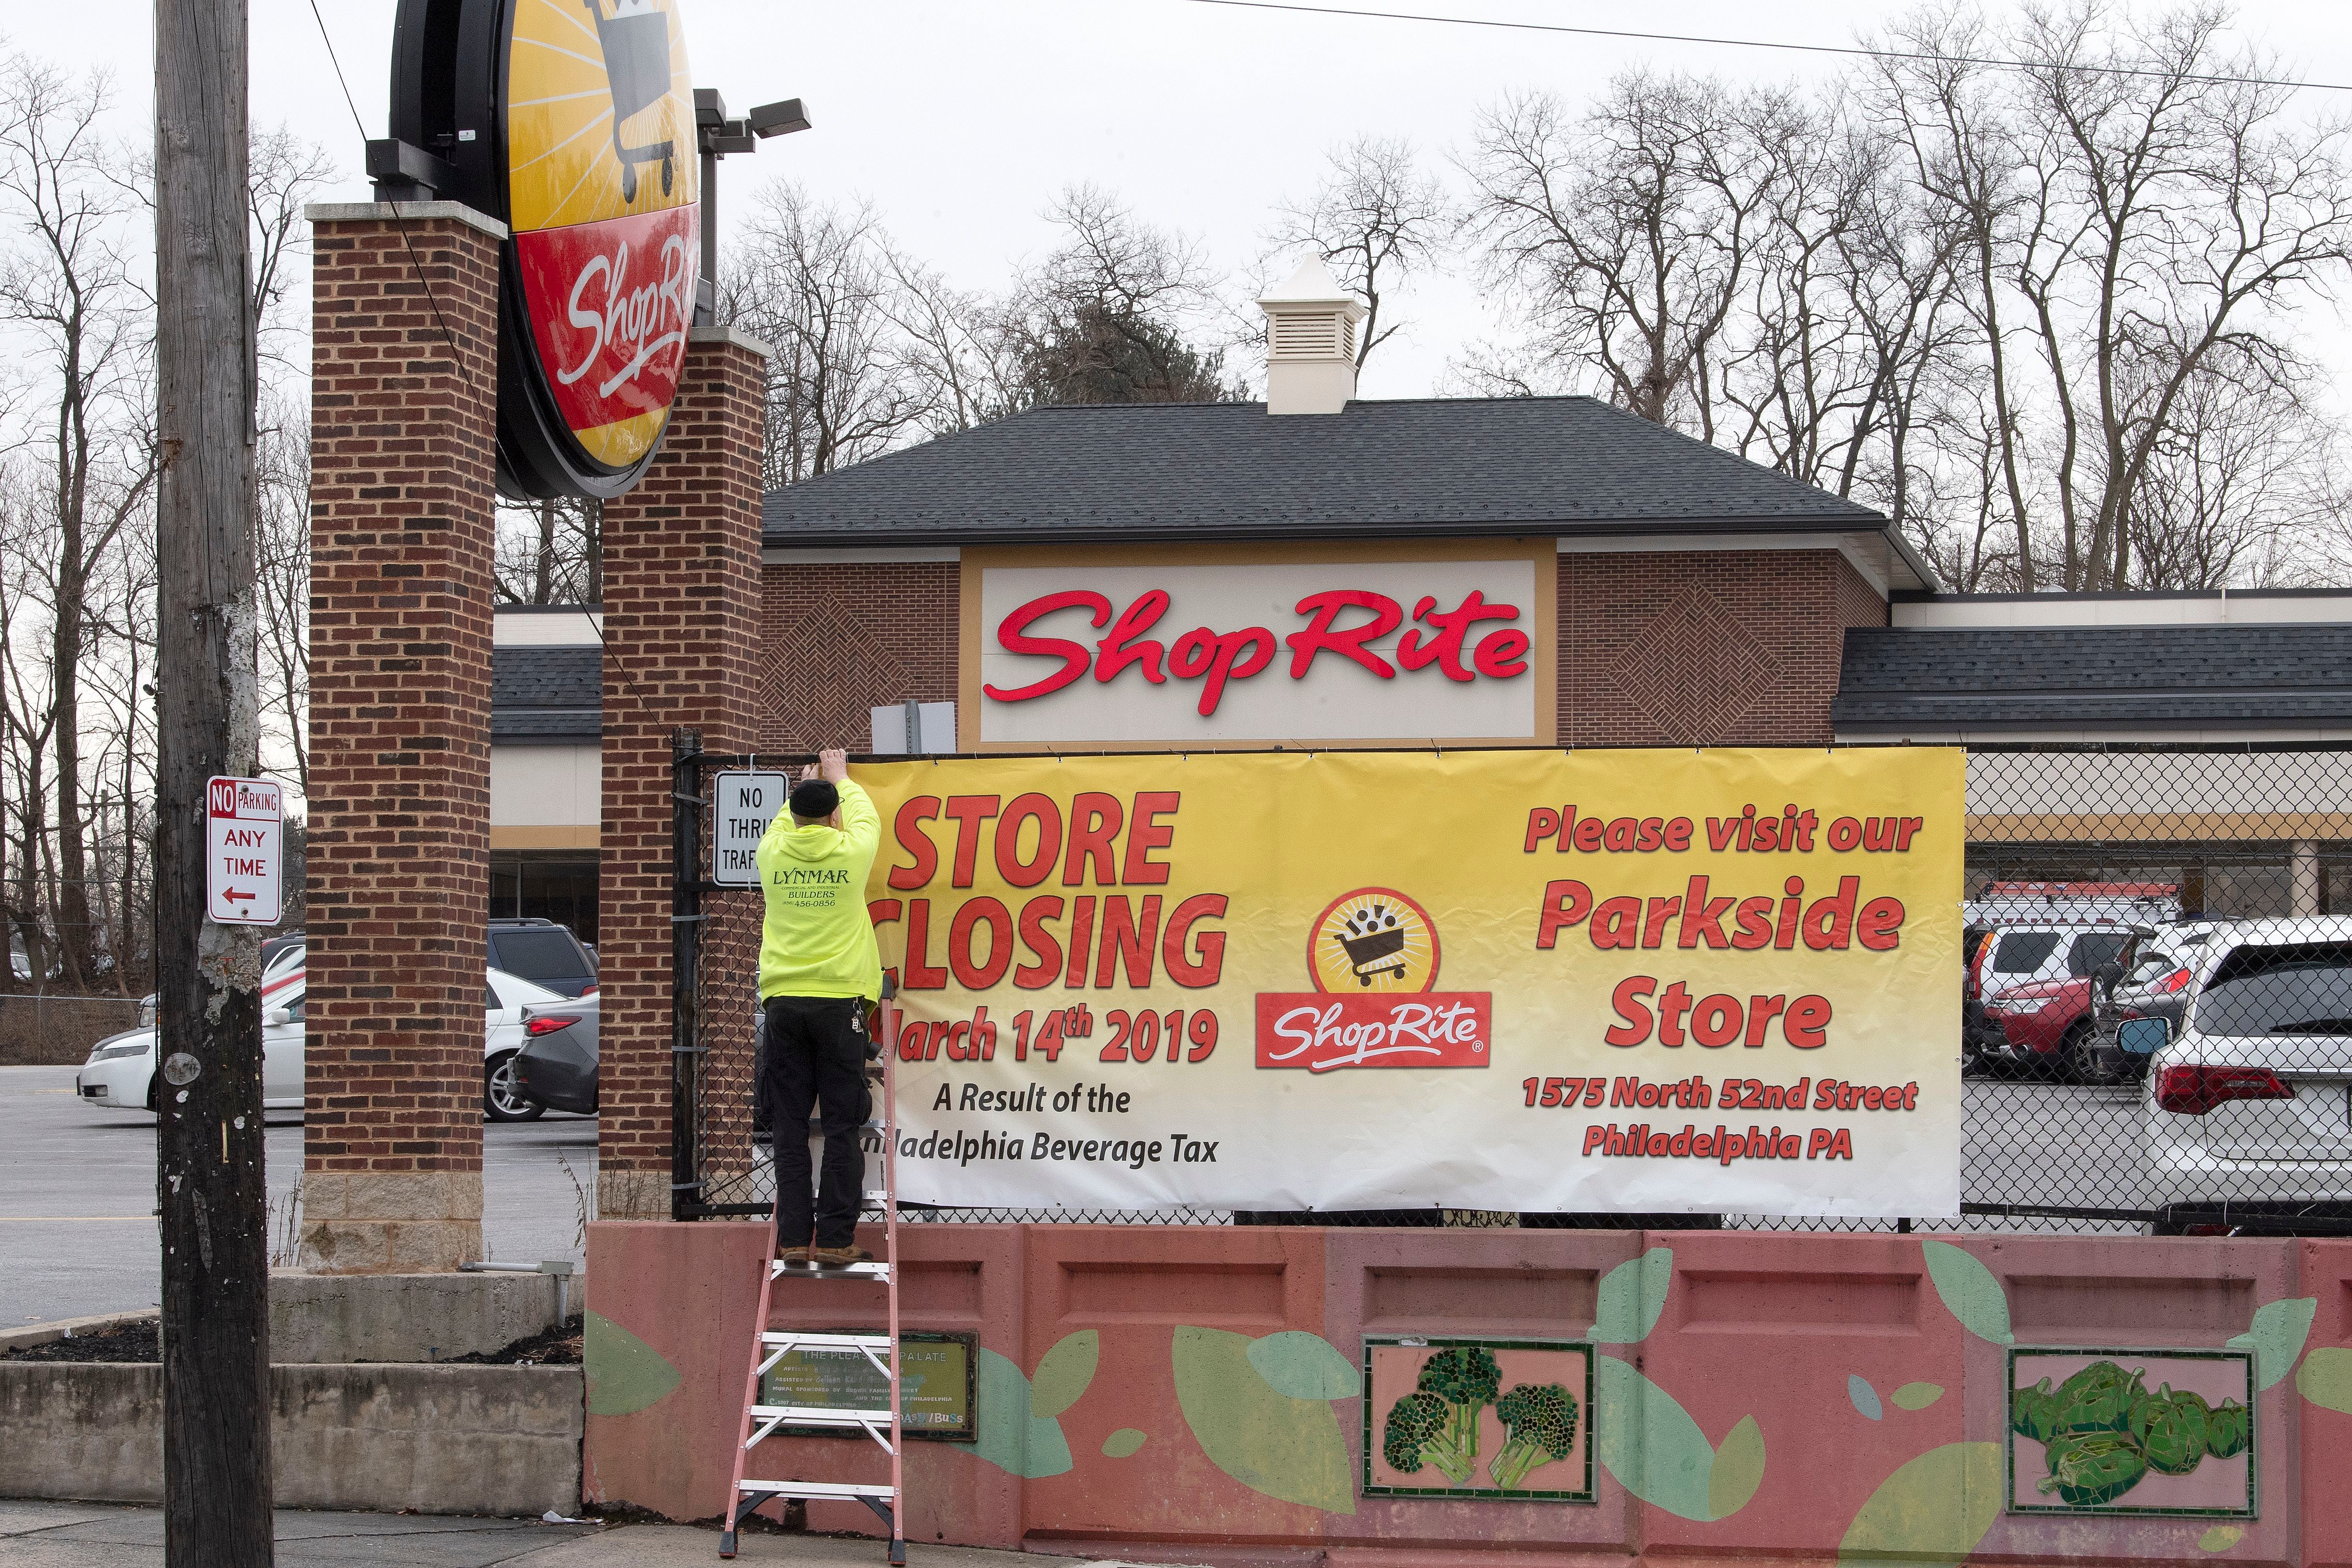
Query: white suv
[[2248, 1102]]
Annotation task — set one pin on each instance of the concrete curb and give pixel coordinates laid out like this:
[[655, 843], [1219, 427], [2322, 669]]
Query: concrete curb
[[499, 1440], [72, 1327]]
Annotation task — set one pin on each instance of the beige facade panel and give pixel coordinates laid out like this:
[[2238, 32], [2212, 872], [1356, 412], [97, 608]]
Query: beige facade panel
[[536, 789]]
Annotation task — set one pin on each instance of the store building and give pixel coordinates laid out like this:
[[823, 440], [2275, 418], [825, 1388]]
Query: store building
[[1320, 569]]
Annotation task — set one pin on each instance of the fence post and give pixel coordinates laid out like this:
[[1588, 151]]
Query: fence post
[[685, 999]]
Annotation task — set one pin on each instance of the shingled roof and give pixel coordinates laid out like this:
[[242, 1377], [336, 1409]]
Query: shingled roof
[[2087, 678], [1421, 466], [546, 696]]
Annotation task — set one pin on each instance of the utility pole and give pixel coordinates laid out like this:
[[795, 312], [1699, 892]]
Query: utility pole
[[208, 1146]]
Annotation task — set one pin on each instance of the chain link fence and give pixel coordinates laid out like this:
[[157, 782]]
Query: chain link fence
[[2156, 1013]]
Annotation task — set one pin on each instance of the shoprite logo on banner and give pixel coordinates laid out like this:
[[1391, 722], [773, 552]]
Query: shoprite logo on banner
[[1372, 955], [572, 120]]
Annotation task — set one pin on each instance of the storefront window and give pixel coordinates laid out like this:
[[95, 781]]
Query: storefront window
[[548, 885]]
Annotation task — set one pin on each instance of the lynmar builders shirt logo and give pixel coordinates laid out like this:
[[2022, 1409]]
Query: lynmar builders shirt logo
[[1372, 955]]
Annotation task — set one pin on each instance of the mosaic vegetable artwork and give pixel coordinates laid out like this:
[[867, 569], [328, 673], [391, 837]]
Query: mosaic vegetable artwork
[[1439, 1431], [2105, 1431], [1438, 1424]]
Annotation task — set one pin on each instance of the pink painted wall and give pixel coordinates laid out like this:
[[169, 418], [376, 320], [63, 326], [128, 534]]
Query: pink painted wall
[[1781, 1394]]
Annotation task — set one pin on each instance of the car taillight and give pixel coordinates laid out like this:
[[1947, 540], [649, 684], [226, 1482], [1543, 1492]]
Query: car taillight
[[589, 989], [2173, 982], [548, 1026], [2195, 1089]]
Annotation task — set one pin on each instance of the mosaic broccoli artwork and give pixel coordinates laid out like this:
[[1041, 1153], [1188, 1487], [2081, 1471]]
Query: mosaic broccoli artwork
[[1502, 1417], [2089, 1434]]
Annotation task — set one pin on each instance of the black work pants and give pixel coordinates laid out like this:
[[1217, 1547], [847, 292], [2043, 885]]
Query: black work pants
[[816, 1056]]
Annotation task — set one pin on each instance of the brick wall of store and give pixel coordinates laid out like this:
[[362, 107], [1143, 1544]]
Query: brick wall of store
[[839, 640], [1723, 647], [1717, 647]]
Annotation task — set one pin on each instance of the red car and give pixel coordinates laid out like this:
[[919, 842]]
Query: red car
[[2046, 1028]]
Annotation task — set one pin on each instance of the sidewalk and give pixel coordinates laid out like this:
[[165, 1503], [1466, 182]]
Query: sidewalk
[[109, 1536]]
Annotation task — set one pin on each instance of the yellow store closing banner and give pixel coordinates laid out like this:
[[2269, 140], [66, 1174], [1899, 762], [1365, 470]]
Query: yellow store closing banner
[[1643, 981]]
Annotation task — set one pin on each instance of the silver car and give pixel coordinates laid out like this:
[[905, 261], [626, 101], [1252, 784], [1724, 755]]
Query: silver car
[[2249, 1102]]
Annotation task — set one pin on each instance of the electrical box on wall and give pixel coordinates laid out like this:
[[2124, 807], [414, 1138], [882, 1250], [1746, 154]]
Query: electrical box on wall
[[935, 729]]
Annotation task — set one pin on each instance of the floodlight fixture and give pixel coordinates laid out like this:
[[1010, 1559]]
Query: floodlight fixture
[[717, 133], [780, 118]]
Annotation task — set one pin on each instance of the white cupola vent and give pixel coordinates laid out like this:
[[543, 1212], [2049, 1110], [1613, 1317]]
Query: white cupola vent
[[1310, 320]]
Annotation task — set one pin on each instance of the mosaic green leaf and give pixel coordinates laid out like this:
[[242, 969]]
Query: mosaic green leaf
[[1064, 1373], [1632, 1296], [1305, 1366], [1917, 1395], [1739, 1470], [2221, 1538], [1123, 1442], [1865, 1397], [1971, 1292], [1649, 1442], [1272, 1443], [1933, 1510], [2278, 1337], [625, 1373], [2325, 1378]]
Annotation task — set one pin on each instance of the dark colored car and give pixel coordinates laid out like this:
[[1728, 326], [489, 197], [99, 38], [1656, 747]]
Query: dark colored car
[[542, 953], [557, 1065]]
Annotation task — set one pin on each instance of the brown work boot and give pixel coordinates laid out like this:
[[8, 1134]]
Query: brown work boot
[[796, 1256], [839, 1257]]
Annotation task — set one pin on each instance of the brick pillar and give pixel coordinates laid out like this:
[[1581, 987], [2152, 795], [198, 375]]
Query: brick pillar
[[402, 427], [681, 630]]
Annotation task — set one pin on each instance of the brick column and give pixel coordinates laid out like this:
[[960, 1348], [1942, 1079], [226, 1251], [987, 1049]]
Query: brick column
[[403, 430], [681, 633]]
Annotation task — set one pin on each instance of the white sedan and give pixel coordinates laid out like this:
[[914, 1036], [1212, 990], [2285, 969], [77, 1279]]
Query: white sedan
[[121, 1072]]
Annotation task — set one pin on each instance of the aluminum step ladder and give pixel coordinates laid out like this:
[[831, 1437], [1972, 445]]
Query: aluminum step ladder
[[771, 1345]]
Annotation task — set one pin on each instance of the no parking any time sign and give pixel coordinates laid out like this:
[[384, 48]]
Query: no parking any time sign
[[244, 851]]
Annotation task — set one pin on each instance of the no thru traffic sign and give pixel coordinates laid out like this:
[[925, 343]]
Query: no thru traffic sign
[[741, 806], [244, 839]]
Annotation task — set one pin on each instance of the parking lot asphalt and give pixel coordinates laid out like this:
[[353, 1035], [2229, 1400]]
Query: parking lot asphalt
[[77, 1183], [77, 1195]]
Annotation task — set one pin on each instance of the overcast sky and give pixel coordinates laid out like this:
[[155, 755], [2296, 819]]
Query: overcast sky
[[960, 119]]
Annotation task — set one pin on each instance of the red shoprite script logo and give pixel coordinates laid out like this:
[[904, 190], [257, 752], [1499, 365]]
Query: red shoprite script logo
[[611, 303], [1438, 637], [1372, 955]]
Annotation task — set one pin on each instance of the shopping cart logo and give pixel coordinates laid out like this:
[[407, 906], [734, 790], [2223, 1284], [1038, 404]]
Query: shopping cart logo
[[1374, 939], [635, 42], [1372, 957]]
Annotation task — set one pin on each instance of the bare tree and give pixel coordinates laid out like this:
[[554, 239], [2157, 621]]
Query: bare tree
[[550, 553], [1625, 234], [1376, 217], [281, 539], [1119, 311], [66, 284], [815, 282], [2190, 211]]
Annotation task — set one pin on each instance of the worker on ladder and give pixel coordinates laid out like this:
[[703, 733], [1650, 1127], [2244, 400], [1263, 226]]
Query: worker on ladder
[[819, 973]]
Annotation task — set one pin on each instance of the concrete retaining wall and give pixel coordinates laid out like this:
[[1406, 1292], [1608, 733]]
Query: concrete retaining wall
[[1814, 1397], [437, 1439], [407, 1317]]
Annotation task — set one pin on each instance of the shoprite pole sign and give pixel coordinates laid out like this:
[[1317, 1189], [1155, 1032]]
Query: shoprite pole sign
[[1668, 981], [572, 121]]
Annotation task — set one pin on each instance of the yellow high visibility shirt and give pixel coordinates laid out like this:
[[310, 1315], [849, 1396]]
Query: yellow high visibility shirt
[[817, 940]]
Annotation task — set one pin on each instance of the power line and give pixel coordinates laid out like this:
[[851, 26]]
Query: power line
[[1995, 61], [465, 369]]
